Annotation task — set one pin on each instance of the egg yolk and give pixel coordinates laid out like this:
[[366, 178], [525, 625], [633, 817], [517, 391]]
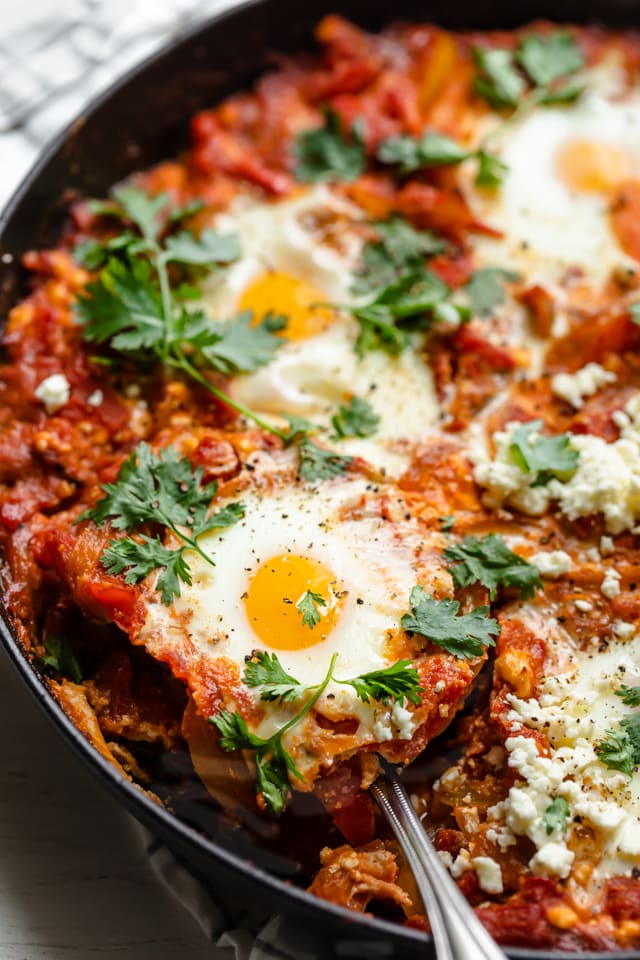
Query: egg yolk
[[593, 167], [277, 587], [296, 300]]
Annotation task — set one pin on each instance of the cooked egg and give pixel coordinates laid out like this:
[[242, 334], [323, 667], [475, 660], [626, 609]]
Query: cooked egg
[[564, 166], [358, 553], [298, 256]]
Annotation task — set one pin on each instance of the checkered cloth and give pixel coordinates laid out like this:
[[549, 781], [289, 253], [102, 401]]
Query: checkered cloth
[[54, 57]]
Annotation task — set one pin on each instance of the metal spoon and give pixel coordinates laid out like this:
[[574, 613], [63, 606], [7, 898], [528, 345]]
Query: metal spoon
[[457, 932]]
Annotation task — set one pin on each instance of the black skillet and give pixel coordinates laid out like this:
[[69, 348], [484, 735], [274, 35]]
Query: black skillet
[[139, 121]]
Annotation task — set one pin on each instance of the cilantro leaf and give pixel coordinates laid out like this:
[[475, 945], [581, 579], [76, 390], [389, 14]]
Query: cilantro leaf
[[328, 153], [316, 463], [549, 58], [634, 311], [272, 778], [432, 150], [630, 696], [486, 291], [61, 656], [141, 208], [499, 81], [355, 419], [489, 561], [239, 345], [141, 557], [463, 635], [210, 247], [234, 732], [556, 815], [544, 457], [308, 605], [266, 671], [400, 248], [438, 150], [446, 523], [395, 683], [161, 488], [620, 750], [414, 300]]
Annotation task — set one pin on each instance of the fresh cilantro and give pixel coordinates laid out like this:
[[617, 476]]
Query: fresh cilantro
[[266, 671], [395, 683], [543, 457], [316, 463], [634, 311], [355, 419], [489, 561], [438, 150], [630, 696], [499, 81], [547, 59], [412, 302], [328, 153], [61, 657], [620, 750], [556, 815], [165, 489], [446, 523], [548, 62], [308, 605], [485, 289], [400, 248], [274, 763], [133, 308], [463, 635]]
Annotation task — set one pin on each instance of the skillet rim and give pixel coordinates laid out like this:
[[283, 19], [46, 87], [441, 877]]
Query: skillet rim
[[129, 794]]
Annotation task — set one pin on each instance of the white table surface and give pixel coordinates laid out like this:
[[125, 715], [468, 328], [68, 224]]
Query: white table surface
[[74, 882]]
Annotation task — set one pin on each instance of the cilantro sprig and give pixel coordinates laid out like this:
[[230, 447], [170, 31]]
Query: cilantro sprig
[[274, 763], [440, 621], [162, 489], [438, 150], [544, 63], [308, 606], [399, 248], [135, 308], [630, 696], [355, 419], [620, 748], [330, 152], [485, 289], [489, 561], [542, 456], [556, 815]]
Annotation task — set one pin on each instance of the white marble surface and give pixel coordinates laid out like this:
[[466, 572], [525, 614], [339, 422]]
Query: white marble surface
[[74, 882]]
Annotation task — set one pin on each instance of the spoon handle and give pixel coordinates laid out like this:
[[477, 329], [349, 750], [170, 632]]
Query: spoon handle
[[457, 932]]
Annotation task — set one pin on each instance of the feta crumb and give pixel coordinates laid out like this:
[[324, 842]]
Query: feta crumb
[[610, 586], [489, 874], [573, 387], [553, 859], [54, 392], [439, 687], [552, 563], [607, 546], [593, 555], [403, 719], [95, 399], [584, 606], [624, 630]]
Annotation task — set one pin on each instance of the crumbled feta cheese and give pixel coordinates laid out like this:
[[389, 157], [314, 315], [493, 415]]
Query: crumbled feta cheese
[[552, 859], [382, 730], [584, 606], [403, 719], [95, 399], [552, 563], [624, 630], [456, 867], [439, 687], [489, 874], [606, 480], [573, 387], [607, 546], [610, 586], [593, 555], [54, 392]]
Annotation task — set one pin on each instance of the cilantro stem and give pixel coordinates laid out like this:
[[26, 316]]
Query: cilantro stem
[[189, 541], [165, 294], [181, 362], [308, 705]]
